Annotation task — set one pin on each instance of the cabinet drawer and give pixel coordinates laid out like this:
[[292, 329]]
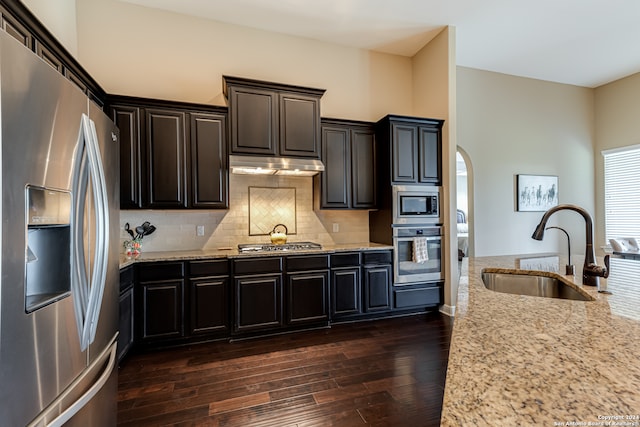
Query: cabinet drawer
[[218, 267], [160, 271], [405, 298], [345, 260], [257, 265], [307, 262], [376, 257]]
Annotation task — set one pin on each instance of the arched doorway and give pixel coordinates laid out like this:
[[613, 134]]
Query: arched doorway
[[464, 202]]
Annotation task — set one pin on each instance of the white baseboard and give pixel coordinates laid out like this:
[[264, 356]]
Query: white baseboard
[[448, 310]]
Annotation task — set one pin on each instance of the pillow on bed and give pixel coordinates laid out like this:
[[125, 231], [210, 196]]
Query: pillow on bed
[[624, 244], [463, 228]]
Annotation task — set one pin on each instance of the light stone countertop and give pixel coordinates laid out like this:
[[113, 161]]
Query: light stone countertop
[[532, 361], [233, 253]]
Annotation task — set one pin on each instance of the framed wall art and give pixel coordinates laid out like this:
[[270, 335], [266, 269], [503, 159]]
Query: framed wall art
[[536, 193]]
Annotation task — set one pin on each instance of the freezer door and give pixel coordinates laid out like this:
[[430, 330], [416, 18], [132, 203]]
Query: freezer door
[[39, 351]]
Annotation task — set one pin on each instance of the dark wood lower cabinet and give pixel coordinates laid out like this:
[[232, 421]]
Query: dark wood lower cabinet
[[258, 302], [160, 302], [377, 288], [377, 280], [346, 292], [163, 310], [126, 310], [208, 298], [420, 295], [308, 297], [209, 305], [200, 300]]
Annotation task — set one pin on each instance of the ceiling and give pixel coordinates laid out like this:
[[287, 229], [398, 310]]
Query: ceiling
[[580, 42]]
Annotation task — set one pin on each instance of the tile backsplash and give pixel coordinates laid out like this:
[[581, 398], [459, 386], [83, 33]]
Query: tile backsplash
[[176, 229]]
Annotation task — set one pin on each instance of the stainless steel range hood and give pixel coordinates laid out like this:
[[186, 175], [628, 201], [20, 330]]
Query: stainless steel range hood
[[258, 165]]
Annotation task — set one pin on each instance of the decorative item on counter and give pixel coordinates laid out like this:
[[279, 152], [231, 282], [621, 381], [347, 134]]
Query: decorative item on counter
[[133, 247], [279, 237]]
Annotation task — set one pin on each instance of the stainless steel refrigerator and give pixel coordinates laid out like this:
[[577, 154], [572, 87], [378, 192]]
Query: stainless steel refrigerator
[[59, 230]]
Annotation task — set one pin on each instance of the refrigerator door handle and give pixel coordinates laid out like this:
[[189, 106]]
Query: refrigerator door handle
[[98, 279], [79, 403], [88, 295]]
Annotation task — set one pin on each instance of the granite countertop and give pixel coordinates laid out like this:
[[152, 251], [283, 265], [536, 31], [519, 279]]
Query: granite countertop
[[525, 360], [233, 253]]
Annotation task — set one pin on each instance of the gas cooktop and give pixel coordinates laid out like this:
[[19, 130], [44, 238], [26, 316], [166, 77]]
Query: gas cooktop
[[267, 247]]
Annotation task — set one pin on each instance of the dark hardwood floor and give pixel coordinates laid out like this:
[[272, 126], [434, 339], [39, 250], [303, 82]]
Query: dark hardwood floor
[[387, 372]]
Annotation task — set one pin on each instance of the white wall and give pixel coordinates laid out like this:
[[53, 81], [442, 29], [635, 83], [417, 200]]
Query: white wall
[[434, 89], [157, 54], [59, 17], [617, 125], [510, 125]]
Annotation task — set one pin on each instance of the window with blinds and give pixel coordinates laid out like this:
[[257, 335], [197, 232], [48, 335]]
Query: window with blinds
[[622, 192]]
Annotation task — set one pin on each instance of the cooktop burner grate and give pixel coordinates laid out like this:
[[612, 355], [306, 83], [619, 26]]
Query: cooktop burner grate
[[267, 247]]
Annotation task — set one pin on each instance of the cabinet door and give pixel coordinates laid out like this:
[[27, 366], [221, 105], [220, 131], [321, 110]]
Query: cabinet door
[[162, 310], [363, 182], [125, 323], [15, 29], [299, 125], [254, 121], [47, 56], [258, 302], [128, 121], [75, 79], [307, 297], [166, 158], [336, 178], [404, 152], [209, 304], [346, 294], [208, 161], [377, 287], [430, 155]]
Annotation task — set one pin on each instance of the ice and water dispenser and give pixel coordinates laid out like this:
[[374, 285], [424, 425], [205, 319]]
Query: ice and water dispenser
[[48, 248]]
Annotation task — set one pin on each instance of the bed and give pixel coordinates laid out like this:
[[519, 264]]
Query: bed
[[463, 234]]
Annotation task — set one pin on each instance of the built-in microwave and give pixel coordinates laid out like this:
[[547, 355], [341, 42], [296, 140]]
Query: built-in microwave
[[416, 204]]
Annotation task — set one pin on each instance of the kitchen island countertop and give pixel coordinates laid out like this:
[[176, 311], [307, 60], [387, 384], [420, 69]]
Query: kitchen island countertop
[[233, 253], [536, 361]]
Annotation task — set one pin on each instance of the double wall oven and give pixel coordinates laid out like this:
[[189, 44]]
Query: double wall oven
[[416, 227], [407, 269]]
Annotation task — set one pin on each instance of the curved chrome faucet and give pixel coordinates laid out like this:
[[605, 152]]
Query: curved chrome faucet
[[591, 271]]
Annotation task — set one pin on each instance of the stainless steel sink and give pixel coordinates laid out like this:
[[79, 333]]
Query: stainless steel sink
[[537, 286]]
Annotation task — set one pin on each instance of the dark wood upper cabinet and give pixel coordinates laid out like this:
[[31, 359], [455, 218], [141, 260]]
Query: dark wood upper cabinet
[[414, 147], [348, 151], [49, 57], [166, 148], [273, 119], [20, 23], [173, 155], [254, 123], [405, 153], [299, 125], [430, 150], [209, 171], [363, 168], [15, 29], [127, 118], [335, 181]]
